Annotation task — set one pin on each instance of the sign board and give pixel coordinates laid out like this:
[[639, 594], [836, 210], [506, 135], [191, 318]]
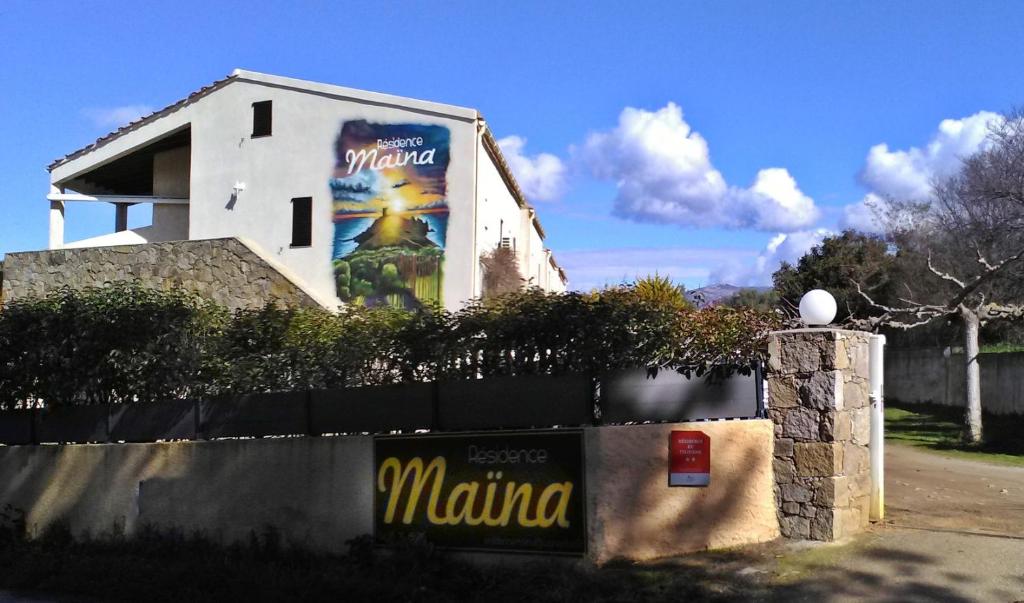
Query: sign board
[[689, 459], [500, 491]]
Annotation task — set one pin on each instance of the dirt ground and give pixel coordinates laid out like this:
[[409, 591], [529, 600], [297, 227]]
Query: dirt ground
[[954, 531], [928, 490]]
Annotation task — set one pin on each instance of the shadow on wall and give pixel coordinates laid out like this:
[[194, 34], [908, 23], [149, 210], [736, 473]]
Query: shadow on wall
[[318, 493], [314, 490], [636, 515]]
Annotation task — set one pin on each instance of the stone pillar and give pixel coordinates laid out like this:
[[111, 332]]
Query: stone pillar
[[818, 399]]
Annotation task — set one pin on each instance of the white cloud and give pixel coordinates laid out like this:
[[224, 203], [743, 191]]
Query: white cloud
[[542, 177], [589, 269], [663, 172], [785, 247], [114, 117], [908, 174], [864, 215]]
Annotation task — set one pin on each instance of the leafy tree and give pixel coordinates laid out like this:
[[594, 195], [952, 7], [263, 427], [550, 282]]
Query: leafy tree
[[762, 300], [837, 265], [660, 290]]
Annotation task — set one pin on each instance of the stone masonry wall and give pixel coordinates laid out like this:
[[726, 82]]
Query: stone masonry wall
[[223, 270], [818, 399]]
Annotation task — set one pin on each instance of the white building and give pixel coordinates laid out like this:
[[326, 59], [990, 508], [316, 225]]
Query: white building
[[356, 196]]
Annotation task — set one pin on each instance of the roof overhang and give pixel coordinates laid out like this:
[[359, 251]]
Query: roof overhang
[[121, 141]]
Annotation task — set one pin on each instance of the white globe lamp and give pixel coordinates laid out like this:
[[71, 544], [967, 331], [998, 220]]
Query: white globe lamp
[[817, 307]]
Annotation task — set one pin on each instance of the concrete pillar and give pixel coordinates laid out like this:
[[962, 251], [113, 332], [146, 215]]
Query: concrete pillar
[[818, 386], [56, 220], [120, 217]]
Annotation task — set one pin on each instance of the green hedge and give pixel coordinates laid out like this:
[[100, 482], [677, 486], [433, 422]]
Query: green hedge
[[124, 343]]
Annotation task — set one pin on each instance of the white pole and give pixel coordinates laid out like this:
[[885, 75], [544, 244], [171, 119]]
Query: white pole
[[877, 442], [56, 221]]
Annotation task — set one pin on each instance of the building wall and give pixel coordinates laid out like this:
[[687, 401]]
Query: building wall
[[171, 171], [298, 160], [499, 216], [535, 258], [225, 270]]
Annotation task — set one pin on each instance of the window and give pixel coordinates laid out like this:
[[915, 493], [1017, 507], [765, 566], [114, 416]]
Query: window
[[302, 222], [262, 118]]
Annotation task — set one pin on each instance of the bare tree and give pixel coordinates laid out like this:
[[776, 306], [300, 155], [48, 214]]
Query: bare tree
[[961, 253]]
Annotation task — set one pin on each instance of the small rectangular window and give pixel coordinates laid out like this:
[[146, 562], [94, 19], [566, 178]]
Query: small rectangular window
[[262, 118], [302, 222]]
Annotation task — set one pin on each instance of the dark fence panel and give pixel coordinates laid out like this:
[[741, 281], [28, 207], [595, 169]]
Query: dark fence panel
[[538, 401], [372, 409], [16, 427], [255, 415], [73, 424], [171, 420], [515, 402], [634, 396]]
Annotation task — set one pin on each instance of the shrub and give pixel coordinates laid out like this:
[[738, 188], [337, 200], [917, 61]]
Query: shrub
[[124, 343], [119, 343]]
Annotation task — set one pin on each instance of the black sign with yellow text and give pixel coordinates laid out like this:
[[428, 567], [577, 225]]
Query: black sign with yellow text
[[506, 491]]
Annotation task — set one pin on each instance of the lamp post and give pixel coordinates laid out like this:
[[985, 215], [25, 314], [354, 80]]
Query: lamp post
[[817, 307]]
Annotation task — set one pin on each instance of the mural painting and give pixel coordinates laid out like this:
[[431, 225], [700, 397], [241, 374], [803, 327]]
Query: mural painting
[[390, 213]]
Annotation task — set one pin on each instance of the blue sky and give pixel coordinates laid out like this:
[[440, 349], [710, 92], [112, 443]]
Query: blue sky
[[705, 141]]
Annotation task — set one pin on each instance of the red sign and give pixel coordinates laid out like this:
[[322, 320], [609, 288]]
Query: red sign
[[689, 462]]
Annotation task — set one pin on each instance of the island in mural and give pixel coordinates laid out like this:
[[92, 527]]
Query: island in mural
[[390, 213]]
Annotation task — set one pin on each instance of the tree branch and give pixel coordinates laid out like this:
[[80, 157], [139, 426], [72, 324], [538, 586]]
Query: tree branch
[[982, 278], [943, 275], [1003, 310], [923, 313], [981, 259]]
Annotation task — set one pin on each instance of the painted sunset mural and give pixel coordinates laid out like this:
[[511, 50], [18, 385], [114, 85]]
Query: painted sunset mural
[[390, 213]]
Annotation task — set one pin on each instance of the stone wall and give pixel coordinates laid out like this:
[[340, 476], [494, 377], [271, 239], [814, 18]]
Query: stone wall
[[226, 271], [927, 376], [818, 399]]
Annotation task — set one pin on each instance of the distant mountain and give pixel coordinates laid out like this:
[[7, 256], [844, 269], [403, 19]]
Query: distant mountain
[[712, 294]]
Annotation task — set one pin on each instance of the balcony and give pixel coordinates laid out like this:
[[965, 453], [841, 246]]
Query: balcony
[[157, 174]]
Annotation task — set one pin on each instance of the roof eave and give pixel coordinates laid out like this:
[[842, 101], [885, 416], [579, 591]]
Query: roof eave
[[494, 151], [340, 92], [139, 123]]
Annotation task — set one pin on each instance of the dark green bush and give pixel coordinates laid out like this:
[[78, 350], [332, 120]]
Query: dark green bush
[[113, 344], [124, 343]]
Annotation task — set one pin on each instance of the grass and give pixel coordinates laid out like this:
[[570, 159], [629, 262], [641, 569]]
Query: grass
[[940, 428], [1001, 348]]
